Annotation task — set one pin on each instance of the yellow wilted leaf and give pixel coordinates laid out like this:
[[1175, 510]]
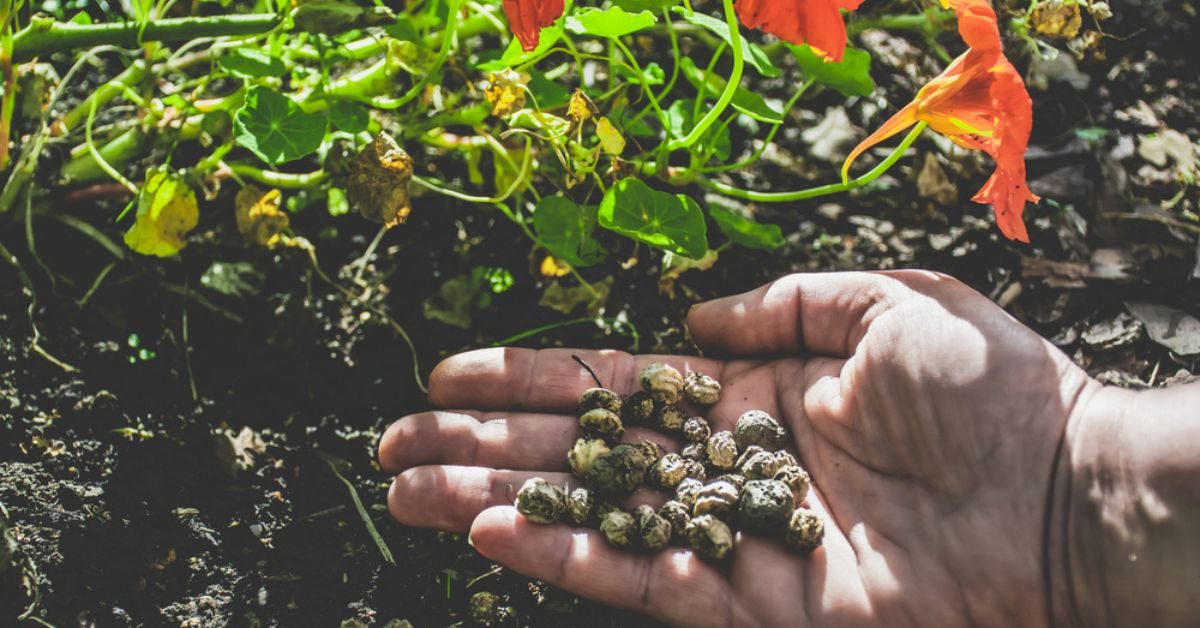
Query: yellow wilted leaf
[[258, 215], [1057, 18], [553, 267], [580, 108], [506, 91], [167, 211], [611, 139]]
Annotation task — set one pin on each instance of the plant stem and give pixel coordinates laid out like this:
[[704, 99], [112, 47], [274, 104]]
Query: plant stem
[[106, 92], [770, 135], [823, 190], [44, 35], [735, 79], [281, 180]]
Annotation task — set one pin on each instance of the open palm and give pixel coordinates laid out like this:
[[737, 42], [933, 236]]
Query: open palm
[[928, 419]]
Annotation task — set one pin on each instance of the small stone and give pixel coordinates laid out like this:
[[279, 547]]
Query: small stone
[[710, 538], [619, 472], [620, 529], [602, 423], [638, 409], [701, 389], [579, 505], [663, 382], [678, 515], [593, 398], [584, 453], [722, 450], [805, 531], [797, 479], [666, 472], [693, 469], [654, 532], [764, 506], [540, 501], [696, 430], [718, 499], [759, 428], [487, 609], [670, 419], [687, 490]]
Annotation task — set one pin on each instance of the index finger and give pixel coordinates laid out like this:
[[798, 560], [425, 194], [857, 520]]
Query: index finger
[[546, 380], [822, 314]]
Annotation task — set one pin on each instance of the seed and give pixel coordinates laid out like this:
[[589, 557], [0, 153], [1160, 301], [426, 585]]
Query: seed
[[638, 409], [805, 531], [678, 515], [584, 453], [619, 528], [722, 450], [687, 490], [593, 398], [710, 538], [663, 382], [619, 472], [667, 472], [602, 423], [579, 505], [759, 428], [654, 532], [696, 430], [540, 501], [764, 506], [701, 389], [719, 499], [797, 479]]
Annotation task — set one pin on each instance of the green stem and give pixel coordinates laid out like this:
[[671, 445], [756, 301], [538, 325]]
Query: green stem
[[448, 34], [770, 135], [637, 68], [735, 79], [281, 180], [823, 190], [44, 36], [130, 76]]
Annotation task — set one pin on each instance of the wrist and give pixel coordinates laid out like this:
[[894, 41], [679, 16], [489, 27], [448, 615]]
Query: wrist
[[1122, 510]]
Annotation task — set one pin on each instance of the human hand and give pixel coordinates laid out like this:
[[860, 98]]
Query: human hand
[[927, 417]]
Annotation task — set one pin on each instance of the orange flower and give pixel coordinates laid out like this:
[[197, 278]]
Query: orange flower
[[526, 18], [815, 22], [979, 102]]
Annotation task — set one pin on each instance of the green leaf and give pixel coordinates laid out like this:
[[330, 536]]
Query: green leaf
[[851, 76], [744, 231], [654, 6], [753, 55], [744, 100], [403, 29], [673, 222], [514, 56], [549, 94], [348, 116], [275, 128], [251, 63], [565, 229], [679, 124], [611, 22]]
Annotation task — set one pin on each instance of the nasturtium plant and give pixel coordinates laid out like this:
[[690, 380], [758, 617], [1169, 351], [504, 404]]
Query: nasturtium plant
[[851, 76], [565, 229], [745, 231], [251, 63], [672, 222], [753, 54], [744, 100], [611, 22], [275, 128], [349, 116]]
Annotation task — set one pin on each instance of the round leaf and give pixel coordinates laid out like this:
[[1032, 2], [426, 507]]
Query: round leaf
[[275, 128], [251, 63], [746, 232], [565, 229], [673, 222], [851, 76]]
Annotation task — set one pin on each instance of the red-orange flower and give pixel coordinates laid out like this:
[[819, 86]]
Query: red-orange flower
[[815, 22], [979, 102], [526, 18]]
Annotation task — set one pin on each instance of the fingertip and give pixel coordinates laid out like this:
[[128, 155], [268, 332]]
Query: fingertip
[[493, 529]]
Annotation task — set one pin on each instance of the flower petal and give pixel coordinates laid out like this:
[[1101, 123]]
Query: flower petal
[[903, 119], [527, 18], [817, 23]]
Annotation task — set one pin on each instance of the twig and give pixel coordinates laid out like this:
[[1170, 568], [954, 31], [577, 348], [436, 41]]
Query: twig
[[587, 367], [358, 505], [27, 283]]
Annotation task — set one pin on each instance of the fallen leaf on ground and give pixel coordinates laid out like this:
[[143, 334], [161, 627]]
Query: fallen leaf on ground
[[1174, 329], [236, 451], [676, 265], [1056, 18], [934, 184]]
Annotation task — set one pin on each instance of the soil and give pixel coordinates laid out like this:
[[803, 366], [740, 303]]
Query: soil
[[131, 501]]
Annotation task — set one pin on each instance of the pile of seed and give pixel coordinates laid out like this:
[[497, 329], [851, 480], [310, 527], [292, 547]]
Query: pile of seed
[[722, 481]]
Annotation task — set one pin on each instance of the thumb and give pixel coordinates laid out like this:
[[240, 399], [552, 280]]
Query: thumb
[[825, 314]]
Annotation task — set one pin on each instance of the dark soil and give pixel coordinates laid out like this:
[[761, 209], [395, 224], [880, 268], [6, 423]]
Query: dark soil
[[124, 511]]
